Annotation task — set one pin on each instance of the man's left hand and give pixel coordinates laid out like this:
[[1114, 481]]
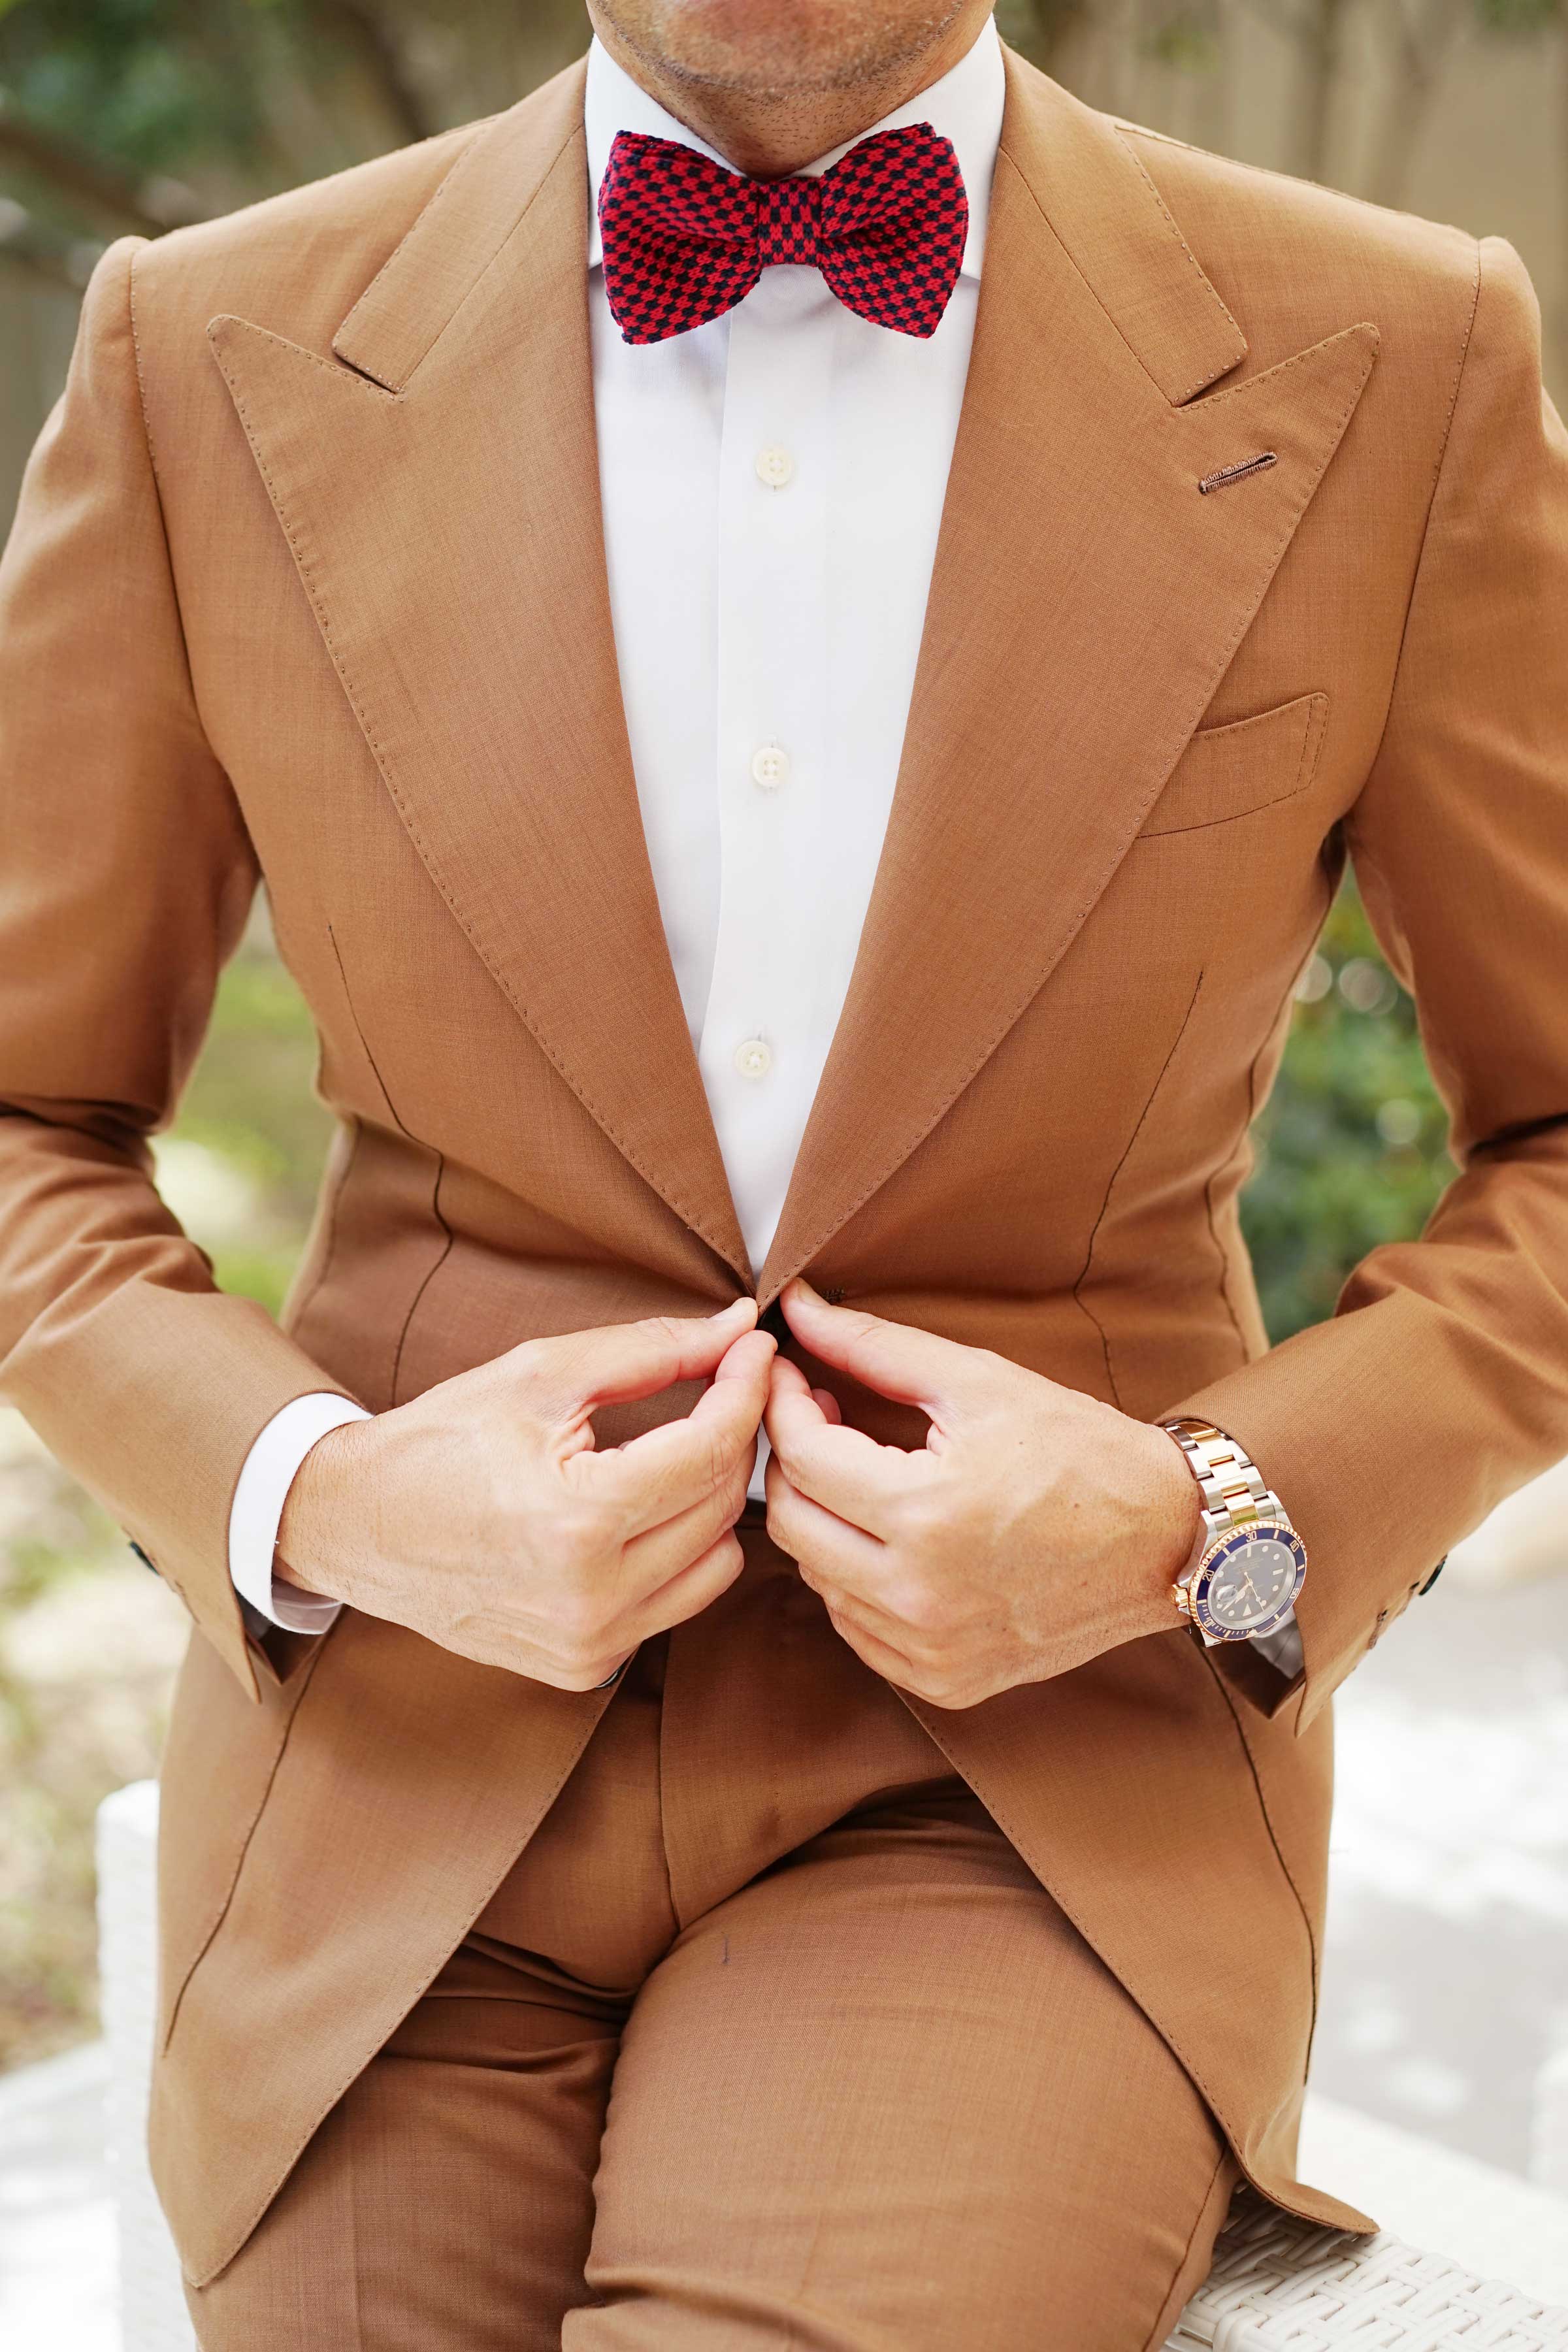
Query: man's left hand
[[1036, 1528]]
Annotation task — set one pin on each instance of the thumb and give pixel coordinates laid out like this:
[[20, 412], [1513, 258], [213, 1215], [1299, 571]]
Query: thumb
[[748, 1349], [896, 1359], [790, 1397], [738, 1392], [617, 1362], [748, 1359]]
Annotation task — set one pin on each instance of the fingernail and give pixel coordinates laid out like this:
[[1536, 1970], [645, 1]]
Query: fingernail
[[719, 1313]]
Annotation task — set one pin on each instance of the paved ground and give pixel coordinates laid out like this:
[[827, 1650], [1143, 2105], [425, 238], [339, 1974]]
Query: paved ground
[[1446, 1981], [57, 2215]]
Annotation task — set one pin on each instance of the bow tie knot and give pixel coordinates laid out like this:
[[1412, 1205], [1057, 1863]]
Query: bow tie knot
[[789, 220], [685, 240]]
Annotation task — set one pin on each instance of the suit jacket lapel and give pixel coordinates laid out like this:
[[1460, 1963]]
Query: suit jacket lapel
[[438, 484], [1085, 602]]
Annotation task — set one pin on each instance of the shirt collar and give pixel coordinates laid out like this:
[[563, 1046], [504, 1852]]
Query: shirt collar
[[964, 106]]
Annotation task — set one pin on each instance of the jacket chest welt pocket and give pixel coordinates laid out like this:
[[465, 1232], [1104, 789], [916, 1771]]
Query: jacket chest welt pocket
[[1249, 764]]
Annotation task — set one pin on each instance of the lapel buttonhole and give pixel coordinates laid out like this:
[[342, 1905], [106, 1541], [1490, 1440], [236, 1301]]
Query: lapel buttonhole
[[1264, 458]]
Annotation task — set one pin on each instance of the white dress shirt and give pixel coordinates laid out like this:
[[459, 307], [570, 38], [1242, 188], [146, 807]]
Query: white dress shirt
[[772, 487]]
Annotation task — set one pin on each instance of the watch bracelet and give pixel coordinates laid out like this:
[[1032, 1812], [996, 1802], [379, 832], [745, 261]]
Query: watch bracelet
[[1233, 1489], [1234, 1496]]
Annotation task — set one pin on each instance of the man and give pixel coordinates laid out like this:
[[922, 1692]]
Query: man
[[593, 1916]]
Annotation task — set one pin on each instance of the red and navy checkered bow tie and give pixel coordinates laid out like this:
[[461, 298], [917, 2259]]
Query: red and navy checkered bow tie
[[685, 240]]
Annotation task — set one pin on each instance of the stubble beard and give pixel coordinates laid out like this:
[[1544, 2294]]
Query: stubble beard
[[778, 52]]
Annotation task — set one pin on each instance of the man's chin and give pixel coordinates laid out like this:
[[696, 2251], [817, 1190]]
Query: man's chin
[[778, 48]]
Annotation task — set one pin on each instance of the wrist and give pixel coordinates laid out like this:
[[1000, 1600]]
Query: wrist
[[323, 1520], [1175, 1515]]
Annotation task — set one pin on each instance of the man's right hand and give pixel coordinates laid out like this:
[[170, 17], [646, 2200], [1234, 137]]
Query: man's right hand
[[480, 1515]]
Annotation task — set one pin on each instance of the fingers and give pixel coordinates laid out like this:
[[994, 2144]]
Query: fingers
[[895, 1652], [663, 1550], [666, 1470], [829, 1550], [842, 1468], [887, 1613], [665, 1577], [616, 1363], [748, 1358], [879, 1655], [686, 1593], [911, 1365], [853, 1615], [660, 1580]]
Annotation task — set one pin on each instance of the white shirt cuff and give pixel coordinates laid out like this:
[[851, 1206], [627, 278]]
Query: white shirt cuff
[[271, 1468]]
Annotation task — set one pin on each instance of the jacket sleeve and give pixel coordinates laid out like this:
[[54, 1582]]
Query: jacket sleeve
[[126, 875], [1441, 1382]]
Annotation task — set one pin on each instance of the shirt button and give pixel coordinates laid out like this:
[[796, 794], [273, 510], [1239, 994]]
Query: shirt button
[[775, 466], [754, 1058], [770, 766]]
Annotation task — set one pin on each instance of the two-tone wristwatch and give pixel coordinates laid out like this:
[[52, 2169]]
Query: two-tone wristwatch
[[1247, 1567]]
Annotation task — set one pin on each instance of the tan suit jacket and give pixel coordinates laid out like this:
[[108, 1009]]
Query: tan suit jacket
[[308, 582]]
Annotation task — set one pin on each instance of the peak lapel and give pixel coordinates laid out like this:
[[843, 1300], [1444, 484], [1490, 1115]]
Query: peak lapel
[[438, 486], [1085, 602]]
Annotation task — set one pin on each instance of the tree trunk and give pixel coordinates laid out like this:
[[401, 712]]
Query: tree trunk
[[1322, 42], [88, 185], [1215, 89], [1044, 27], [44, 251], [363, 33], [1424, 47]]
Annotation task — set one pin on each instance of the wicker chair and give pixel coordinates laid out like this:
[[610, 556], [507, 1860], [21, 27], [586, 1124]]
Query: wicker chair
[[1278, 2285]]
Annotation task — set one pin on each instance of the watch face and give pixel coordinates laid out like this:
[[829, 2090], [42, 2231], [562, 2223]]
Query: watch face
[[1248, 1582]]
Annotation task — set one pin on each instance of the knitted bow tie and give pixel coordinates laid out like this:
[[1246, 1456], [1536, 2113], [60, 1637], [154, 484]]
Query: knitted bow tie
[[685, 240]]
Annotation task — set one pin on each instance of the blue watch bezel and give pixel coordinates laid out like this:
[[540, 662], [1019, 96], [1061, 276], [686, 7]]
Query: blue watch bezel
[[1255, 1531]]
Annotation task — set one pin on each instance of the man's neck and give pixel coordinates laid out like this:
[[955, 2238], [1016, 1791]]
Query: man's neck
[[772, 135]]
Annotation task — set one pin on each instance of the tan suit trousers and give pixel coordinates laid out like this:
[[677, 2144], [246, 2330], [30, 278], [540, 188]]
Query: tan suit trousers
[[799, 2056]]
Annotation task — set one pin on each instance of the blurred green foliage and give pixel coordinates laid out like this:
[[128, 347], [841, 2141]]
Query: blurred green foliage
[[1351, 1146], [142, 114], [143, 80], [252, 1104]]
